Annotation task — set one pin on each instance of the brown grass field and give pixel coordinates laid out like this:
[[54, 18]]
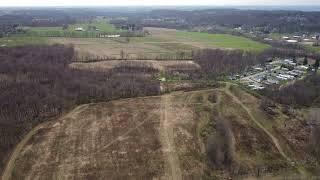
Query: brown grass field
[[160, 42], [161, 137], [126, 139]]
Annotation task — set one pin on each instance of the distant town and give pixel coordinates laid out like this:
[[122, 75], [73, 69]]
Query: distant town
[[275, 72]]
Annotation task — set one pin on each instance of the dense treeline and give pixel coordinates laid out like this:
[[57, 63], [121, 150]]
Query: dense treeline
[[39, 18], [215, 62], [36, 84], [250, 20], [257, 20], [305, 92], [285, 52]]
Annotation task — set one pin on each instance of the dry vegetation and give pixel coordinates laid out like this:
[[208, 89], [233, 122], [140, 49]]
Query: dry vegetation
[[116, 140], [136, 48], [158, 137]]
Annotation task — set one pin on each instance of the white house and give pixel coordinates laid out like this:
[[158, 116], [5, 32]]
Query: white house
[[79, 29], [292, 41], [110, 36]]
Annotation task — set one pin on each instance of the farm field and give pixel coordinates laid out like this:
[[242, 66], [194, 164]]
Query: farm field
[[313, 49], [223, 41], [205, 40], [101, 24], [90, 29], [137, 47], [160, 137], [160, 42], [15, 41], [44, 29]]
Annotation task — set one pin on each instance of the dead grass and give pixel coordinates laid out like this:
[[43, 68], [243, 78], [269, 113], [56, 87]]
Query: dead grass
[[148, 138], [115, 140], [137, 47]]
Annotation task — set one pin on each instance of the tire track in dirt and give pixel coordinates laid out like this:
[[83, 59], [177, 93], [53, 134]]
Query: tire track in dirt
[[167, 139]]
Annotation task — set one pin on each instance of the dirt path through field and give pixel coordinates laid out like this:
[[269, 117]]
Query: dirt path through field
[[10, 165], [6, 175], [248, 111], [82, 143], [167, 139]]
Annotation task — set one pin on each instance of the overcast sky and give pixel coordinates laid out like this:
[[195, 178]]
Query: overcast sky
[[152, 2]]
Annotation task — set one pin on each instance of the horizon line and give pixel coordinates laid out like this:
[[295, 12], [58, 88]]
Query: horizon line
[[159, 5]]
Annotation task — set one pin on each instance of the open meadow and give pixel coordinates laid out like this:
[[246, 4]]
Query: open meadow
[[16, 41], [81, 29]]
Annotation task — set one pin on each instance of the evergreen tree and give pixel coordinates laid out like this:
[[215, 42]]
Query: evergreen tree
[[305, 61], [316, 65]]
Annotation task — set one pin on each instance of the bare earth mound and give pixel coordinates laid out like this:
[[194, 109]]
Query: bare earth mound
[[158, 65]]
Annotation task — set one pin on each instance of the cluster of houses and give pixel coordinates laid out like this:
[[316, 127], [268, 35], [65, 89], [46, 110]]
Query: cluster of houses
[[81, 29], [303, 38], [297, 38], [273, 73], [109, 36]]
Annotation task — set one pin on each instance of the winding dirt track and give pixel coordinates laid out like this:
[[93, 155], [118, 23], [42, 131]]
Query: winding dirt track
[[6, 175], [248, 111], [127, 139], [130, 138], [10, 164]]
